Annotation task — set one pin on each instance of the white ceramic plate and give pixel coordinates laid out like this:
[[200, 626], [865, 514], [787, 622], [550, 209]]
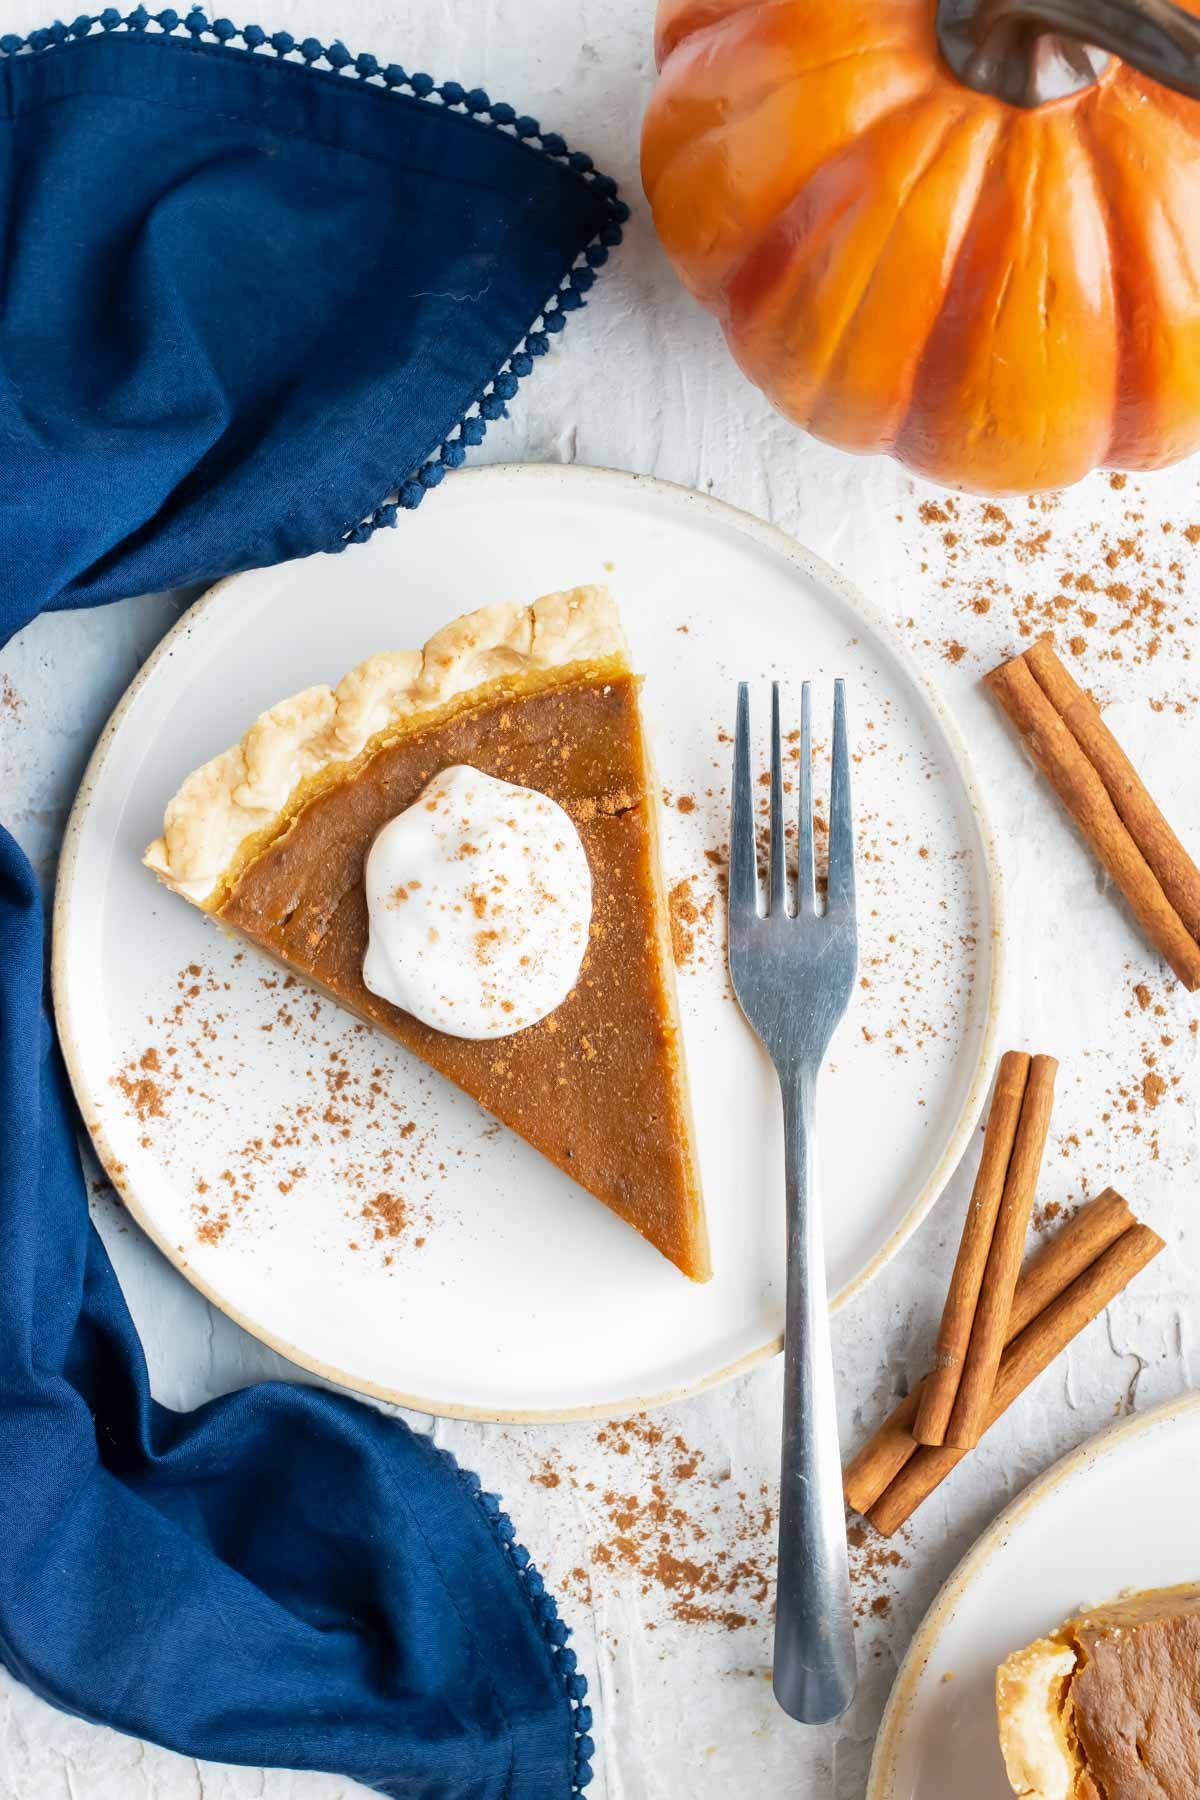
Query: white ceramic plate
[[487, 1284], [1118, 1513]]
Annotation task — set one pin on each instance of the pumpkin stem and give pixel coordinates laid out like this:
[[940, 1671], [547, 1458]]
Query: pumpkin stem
[[1030, 52]]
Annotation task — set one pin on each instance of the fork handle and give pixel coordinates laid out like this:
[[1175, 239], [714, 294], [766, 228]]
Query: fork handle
[[815, 1672]]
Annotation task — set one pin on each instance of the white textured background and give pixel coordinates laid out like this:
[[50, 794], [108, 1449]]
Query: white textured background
[[659, 1535]]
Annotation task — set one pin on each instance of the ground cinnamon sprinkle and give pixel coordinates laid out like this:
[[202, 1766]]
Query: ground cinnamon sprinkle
[[673, 1527], [1132, 1120], [387, 1213], [1115, 593], [384, 1183], [873, 1563], [145, 1096], [1112, 589], [914, 990], [1046, 1215]]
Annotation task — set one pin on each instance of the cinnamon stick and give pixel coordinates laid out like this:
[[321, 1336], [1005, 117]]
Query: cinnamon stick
[[1070, 1251], [867, 1475], [1007, 1249], [1067, 767], [1027, 1357], [940, 1387], [1177, 874]]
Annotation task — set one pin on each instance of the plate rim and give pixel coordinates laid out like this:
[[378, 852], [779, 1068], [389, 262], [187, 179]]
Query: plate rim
[[898, 1711], [768, 537]]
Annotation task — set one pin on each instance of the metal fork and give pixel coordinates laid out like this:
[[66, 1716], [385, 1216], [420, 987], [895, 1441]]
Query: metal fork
[[793, 975]]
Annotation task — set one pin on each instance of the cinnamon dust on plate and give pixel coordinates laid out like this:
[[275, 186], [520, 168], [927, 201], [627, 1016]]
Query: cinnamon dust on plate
[[384, 1187], [913, 988], [142, 1089]]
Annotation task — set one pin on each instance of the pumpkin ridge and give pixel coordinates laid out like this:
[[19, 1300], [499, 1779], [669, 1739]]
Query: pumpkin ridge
[[910, 429], [1180, 108], [1180, 241], [1044, 337], [986, 421], [972, 120], [747, 31], [760, 246], [666, 47], [1085, 126], [772, 90], [1021, 364], [711, 284], [681, 32], [908, 423], [1030, 206], [1132, 375], [934, 150]]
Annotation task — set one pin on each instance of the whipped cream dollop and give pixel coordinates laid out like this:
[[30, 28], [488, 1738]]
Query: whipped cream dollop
[[480, 902]]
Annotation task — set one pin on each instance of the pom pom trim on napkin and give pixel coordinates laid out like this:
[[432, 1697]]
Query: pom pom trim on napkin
[[491, 402], [544, 1608]]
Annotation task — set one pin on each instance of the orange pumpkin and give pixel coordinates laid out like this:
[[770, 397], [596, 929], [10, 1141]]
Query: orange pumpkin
[[965, 233]]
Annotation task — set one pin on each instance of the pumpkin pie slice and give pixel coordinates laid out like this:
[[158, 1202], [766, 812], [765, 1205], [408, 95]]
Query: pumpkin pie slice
[[272, 839], [1108, 1706]]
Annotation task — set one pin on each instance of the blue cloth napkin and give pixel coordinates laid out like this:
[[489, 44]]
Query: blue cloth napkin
[[255, 298]]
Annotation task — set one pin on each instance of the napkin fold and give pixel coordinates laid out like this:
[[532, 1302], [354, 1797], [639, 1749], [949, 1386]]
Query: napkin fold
[[256, 297]]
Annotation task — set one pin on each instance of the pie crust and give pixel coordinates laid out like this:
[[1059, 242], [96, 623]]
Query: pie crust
[[233, 805]]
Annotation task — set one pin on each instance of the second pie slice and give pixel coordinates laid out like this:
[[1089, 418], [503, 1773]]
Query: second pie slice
[[506, 708], [1108, 1706]]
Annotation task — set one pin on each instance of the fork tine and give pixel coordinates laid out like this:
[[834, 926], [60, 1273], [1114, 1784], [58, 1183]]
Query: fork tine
[[841, 827], [806, 894], [743, 864], [778, 903]]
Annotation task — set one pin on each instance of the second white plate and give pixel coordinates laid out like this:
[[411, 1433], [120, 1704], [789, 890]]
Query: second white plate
[[1118, 1514], [364, 1218]]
